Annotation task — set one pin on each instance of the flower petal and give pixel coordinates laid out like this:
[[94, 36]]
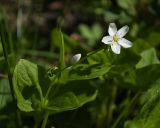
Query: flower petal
[[76, 58], [125, 43], [122, 31], [107, 39], [116, 48], [112, 29]]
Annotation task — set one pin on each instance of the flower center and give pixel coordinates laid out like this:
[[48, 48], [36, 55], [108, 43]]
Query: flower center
[[115, 38]]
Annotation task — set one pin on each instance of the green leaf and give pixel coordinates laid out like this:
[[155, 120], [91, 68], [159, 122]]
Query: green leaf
[[85, 31], [110, 16], [97, 31], [124, 65], [124, 74], [124, 18], [5, 94], [27, 86], [61, 61], [146, 76], [149, 116], [128, 5], [153, 38], [31, 85], [150, 98], [91, 34], [127, 57], [84, 71], [57, 38], [148, 57], [140, 45], [71, 96], [71, 44], [100, 57]]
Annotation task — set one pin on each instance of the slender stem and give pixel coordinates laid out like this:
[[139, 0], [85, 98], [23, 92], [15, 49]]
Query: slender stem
[[2, 35], [125, 110], [110, 109], [10, 40], [84, 58], [89, 54], [45, 120], [18, 114], [49, 89], [61, 59], [40, 93]]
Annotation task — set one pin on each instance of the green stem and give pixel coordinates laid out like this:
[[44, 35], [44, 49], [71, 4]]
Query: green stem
[[61, 61], [89, 54], [45, 120], [2, 35], [110, 109], [19, 120], [10, 40], [50, 87], [125, 110], [84, 58]]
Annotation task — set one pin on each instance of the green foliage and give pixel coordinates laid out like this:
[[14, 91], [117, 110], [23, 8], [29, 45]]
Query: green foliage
[[84, 71], [91, 34], [71, 96], [5, 96], [70, 44], [110, 16], [148, 58], [31, 84], [149, 116], [27, 86], [128, 5], [58, 39], [100, 57], [67, 88], [62, 52], [149, 62], [124, 89], [1, 48]]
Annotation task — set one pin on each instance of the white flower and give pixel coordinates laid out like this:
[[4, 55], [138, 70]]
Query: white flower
[[115, 38], [76, 58]]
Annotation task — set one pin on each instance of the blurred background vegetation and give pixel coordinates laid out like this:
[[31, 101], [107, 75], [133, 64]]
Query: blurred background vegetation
[[31, 34]]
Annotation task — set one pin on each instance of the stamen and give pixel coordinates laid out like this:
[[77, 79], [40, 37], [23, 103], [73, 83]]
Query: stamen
[[115, 38]]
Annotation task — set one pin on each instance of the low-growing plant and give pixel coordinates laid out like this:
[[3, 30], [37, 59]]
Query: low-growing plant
[[91, 80]]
